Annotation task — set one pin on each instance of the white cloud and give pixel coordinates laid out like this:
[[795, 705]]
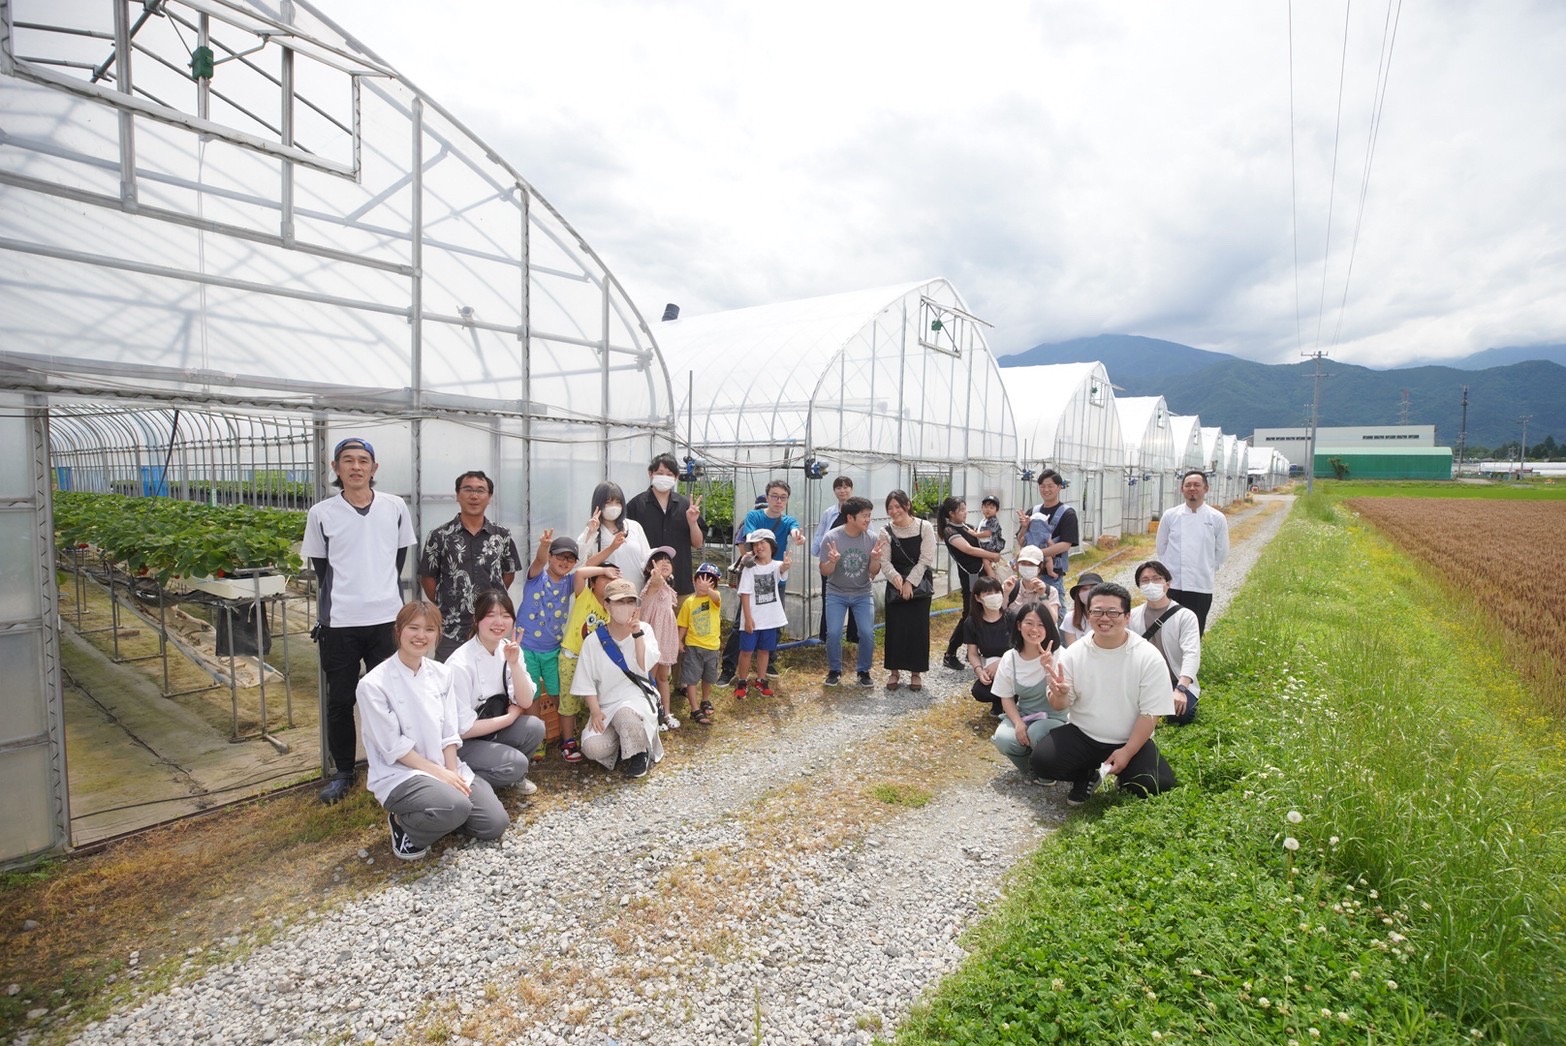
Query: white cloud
[[1073, 168]]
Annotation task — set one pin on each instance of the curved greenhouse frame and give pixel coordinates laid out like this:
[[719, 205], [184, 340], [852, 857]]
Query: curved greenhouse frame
[[236, 211], [895, 387], [1066, 419], [1186, 433], [1150, 460]]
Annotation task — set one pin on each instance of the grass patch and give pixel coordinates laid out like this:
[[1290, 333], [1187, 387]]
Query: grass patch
[[1347, 709], [911, 796]]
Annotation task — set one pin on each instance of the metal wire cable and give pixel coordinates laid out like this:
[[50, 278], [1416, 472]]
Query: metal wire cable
[[1332, 184]]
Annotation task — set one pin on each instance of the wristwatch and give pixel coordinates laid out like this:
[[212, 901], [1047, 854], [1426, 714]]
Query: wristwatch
[[637, 635]]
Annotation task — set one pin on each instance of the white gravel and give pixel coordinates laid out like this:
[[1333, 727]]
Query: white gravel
[[819, 945]]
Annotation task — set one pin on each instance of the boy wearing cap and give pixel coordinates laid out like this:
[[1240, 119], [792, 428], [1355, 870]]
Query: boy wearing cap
[[552, 578], [991, 537], [762, 616], [700, 624], [357, 542], [616, 686]]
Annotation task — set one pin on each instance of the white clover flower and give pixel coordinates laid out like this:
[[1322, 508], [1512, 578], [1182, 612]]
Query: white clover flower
[[1353, 975], [1291, 844], [1326, 1013], [1315, 1033], [1333, 841], [1057, 984], [1374, 895], [1392, 984], [1294, 817], [1263, 1002], [1344, 1017]]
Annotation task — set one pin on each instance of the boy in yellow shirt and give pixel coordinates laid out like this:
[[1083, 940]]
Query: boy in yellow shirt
[[700, 622]]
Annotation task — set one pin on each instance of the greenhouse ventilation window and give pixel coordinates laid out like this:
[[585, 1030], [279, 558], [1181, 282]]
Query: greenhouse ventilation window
[[214, 70], [946, 328]]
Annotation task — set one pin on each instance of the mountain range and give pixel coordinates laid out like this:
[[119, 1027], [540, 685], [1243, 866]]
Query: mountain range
[[1241, 395]]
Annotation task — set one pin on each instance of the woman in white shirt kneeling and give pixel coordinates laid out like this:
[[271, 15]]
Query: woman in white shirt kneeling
[[408, 717], [493, 690]]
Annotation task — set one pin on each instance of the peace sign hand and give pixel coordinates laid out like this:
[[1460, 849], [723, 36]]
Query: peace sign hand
[[829, 551], [693, 513], [545, 540]]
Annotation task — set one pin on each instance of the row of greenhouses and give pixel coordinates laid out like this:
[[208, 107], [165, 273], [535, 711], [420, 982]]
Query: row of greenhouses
[[212, 279]]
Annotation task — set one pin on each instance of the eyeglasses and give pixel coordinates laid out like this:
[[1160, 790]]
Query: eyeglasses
[[1111, 614], [474, 490], [777, 496]]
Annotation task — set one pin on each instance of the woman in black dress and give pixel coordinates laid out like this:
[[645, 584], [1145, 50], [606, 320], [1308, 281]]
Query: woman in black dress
[[968, 559], [910, 559]]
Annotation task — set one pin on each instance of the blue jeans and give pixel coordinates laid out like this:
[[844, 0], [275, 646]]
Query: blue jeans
[[838, 607]]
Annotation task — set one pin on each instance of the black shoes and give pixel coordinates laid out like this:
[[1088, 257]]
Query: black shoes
[[635, 765], [951, 662], [337, 788], [865, 681], [403, 846], [834, 678], [1082, 791]]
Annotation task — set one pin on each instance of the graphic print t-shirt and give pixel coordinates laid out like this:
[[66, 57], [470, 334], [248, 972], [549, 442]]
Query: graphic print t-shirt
[[760, 582]]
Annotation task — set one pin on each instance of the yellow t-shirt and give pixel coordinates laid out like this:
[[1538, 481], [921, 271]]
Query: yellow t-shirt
[[702, 619], [586, 615]]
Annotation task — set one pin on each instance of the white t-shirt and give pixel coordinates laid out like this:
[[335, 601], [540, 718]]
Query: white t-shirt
[[360, 586], [597, 674], [1179, 639], [1015, 673], [762, 583], [476, 675], [1111, 688]]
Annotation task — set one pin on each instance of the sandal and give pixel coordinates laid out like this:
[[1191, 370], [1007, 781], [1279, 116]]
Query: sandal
[[570, 751], [702, 714], [893, 683], [915, 684]]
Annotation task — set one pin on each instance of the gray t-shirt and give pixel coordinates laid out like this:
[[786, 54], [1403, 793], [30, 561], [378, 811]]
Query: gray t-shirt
[[852, 576]]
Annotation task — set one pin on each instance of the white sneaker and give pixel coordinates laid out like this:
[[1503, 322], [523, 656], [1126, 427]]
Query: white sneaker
[[526, 786]]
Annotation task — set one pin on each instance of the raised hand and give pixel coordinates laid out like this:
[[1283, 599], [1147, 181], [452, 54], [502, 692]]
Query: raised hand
[[829, 551], [592, 524], [545, 540], [693, 513], [619, 538], [1059, 688], [788, 561]]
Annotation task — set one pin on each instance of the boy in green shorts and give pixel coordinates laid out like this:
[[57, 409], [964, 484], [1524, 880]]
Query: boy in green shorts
[[544, 620]]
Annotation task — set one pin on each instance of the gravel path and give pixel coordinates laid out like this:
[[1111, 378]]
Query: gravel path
[[708, 903]]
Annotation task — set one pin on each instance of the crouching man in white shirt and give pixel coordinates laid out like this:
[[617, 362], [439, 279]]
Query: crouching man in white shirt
[[1174, 631], [1113, 686], [622, 703]]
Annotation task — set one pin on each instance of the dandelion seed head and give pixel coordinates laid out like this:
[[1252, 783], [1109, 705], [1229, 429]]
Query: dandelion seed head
[[1294, 817], [1333, 841], [1291, 844]]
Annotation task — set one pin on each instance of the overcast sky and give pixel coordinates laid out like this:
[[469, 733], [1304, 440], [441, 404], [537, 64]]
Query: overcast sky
[[1073, 168]]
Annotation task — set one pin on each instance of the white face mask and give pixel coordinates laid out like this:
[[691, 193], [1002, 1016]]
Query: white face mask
[[610, 512], [1153, 591], [1027, 573], [663, 484], [621, 613], [992, 600]]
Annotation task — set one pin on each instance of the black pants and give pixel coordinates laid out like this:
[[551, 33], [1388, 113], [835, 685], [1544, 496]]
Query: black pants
[[1067, 754], [1199, 602], [965, 582], [342, 651]]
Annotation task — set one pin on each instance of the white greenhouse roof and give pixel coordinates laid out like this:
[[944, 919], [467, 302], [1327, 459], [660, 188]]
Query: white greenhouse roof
[[1041, 396], [894, 372], [1137, 417], [303, 228]]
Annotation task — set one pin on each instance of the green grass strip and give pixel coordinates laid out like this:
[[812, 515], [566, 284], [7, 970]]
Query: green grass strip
[[1344, 707]]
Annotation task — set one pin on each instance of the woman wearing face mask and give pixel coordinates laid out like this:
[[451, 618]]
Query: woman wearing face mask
[[497, 735], [1022, 685], [1031, 584], [1074, 625], [1175, 631], [610, 537], [987, 633], [970, 560], [614, 680]]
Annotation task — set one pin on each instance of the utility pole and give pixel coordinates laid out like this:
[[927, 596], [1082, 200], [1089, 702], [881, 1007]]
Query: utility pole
[[1522, 448], [1462, 435], [1315, 419]]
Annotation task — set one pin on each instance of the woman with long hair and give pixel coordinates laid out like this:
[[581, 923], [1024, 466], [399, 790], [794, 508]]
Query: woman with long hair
[[1022, 685], [910, 558], [494, 692], [609, 537], [968, 558]]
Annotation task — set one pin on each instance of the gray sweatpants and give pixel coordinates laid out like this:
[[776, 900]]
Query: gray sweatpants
[[428, 809], [501, 758]]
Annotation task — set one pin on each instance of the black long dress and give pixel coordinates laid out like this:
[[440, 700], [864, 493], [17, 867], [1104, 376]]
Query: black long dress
[[907, 623]]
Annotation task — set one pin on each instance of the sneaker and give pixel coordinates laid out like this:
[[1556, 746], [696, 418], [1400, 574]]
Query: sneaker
[[833, 679], [740, 689], [636, 765], [951, 662], [773, 669], [763, 689], [526, 786], [726, 677], [570, 751], [337, 788], [1082, 791], [865, 681], [403, 846]]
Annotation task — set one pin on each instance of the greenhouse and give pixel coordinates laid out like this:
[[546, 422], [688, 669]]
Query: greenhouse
[[229, 236], [894, 387], [1185, 432], [1151, 484], [1066, 420]]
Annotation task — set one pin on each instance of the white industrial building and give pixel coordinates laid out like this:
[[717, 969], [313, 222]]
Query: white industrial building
[[1294, 443]]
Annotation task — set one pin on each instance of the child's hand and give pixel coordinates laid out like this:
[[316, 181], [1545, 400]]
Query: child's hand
[[544, 541], [788, 560], [619, 538]]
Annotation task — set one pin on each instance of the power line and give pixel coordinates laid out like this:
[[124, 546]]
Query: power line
[[1332, 183], [1294, 192]]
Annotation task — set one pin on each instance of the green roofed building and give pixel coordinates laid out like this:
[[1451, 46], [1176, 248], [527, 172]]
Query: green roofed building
[[1384, 462]]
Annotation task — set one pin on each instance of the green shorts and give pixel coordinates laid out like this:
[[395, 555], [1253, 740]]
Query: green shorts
[[544, 667], [570, 704]]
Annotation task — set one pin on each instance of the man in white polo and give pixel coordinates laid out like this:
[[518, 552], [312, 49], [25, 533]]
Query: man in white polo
[[1193, 541], [357, 541]]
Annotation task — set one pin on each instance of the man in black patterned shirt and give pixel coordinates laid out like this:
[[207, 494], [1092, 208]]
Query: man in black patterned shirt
[[462, 558]]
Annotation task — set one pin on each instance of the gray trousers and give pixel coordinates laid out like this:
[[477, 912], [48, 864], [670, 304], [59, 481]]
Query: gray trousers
[[501, 758], [623, 737], [428, 809], [1005, 739]]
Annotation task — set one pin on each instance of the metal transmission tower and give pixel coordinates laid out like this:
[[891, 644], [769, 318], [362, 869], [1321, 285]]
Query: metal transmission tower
[[1315, 420], [1402, 410], [1522, 447]]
